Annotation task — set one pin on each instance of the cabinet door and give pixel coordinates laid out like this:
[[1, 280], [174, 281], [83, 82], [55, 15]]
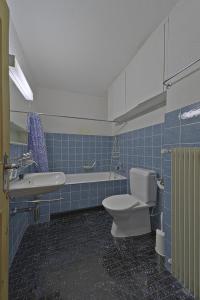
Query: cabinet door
[[116, 97], [183, 41], [144, 75]]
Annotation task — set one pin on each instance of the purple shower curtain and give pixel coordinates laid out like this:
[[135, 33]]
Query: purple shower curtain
[[36, 141]]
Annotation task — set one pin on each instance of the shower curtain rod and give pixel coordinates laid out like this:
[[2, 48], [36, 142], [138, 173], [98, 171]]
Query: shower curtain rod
[[63, 116], [169, 84]]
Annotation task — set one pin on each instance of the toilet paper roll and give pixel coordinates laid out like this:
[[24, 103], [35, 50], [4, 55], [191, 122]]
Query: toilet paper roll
[[160, 242]]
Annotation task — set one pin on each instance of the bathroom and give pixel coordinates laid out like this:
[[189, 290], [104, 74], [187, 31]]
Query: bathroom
[[100, 149]]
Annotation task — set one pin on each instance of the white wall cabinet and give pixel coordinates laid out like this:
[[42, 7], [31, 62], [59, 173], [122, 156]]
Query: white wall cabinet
[[142, 79], [183, 42], [183, 47], [144, 74], [116, 97]]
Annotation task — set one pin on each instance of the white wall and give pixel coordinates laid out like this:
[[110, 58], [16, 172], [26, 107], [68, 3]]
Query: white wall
[[73, 104], [17, 101], [182, 47], [56, 102]]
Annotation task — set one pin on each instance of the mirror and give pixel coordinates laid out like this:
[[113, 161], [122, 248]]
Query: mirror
[[18, 135]]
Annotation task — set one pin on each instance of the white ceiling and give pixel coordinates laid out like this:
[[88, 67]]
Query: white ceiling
[[82, 45]]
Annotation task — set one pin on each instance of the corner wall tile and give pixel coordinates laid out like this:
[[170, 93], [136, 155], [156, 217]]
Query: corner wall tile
[[172, 136], [190, 133], [172, 119]]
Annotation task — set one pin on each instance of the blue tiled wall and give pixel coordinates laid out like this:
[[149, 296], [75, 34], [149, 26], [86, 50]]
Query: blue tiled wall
[[138, 148], [19, 222], [67, 153], [70, 152], [79, 196], [142, 149], [177, 133]]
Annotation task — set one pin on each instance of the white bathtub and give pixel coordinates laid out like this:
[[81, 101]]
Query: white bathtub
[[92, 177]]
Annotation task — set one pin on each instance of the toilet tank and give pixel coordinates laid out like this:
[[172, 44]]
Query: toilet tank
[[143, 185]]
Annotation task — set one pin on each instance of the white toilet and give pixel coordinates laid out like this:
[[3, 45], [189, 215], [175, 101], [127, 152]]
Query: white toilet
[[131, 216]]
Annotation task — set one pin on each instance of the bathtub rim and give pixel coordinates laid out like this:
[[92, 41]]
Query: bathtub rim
[[94, 180]]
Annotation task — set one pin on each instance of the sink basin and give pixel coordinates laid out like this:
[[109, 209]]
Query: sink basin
[[36, 183]]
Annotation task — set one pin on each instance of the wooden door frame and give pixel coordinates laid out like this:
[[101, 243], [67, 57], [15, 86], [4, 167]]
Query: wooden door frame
[[4, 146]]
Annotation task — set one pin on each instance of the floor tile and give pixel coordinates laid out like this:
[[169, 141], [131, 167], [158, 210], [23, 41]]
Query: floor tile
[[74, 257]]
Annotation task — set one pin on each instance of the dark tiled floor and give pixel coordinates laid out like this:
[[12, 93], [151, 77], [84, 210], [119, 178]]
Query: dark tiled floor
[[75, 257]]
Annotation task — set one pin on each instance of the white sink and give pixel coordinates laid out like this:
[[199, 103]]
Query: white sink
[[36, 183]]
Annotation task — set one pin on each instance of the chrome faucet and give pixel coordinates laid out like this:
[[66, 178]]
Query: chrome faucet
[[34, 163], [21, 163]]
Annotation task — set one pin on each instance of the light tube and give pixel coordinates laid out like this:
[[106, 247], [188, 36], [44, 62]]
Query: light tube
[[17, 75], [190, 114]]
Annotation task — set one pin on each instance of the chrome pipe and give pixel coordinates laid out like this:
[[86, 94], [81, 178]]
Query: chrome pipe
[[64, 116], [17, 210], [165, 151], [38, 201], [168, 84]]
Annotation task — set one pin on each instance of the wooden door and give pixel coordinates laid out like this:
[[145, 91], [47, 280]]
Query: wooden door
[[4, 147]]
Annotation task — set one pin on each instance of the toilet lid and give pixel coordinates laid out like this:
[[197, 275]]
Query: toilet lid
[[120, 202]]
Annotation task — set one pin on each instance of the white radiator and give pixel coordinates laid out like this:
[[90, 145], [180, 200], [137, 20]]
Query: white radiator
[[186, 217]]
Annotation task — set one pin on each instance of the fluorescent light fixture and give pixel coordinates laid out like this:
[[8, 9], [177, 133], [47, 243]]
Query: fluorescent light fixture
[[17, 75], [190, 114]]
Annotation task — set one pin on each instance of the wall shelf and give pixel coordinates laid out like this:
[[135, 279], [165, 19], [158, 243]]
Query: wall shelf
[[143, 108]]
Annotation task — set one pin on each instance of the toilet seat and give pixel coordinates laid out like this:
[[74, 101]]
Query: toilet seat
[[120, 202]]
